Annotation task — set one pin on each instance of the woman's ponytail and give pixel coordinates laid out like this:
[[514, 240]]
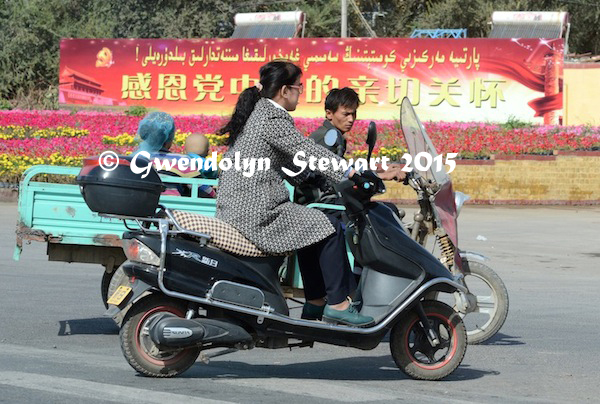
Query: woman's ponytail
[[243, 108], [273, 76]]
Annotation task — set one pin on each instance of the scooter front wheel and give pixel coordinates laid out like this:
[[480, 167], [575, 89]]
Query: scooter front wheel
[[139, 349], [415, 355]]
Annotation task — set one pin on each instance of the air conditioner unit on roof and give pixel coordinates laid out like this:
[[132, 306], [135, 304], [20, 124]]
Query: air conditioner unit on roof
[[529, 24], [288, 24]]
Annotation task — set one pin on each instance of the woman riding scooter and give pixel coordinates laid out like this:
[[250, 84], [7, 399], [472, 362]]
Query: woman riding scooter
[[195, 284], [259, 206]]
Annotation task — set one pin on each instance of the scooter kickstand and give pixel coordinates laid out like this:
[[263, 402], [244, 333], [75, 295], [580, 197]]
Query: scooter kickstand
[[205, 358]]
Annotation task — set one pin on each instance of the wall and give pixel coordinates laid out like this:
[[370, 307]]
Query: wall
[[565, 179], [581, 89]]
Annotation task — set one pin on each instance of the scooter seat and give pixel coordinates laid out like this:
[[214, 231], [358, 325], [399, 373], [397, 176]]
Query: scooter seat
[[223, 236]]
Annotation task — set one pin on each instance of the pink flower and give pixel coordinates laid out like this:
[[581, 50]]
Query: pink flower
[[471, 139]]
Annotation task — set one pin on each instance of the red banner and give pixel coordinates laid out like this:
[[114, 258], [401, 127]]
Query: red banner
[[446, 79]]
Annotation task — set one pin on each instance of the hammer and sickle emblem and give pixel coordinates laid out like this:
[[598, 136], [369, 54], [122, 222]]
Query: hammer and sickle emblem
[[104, 58]]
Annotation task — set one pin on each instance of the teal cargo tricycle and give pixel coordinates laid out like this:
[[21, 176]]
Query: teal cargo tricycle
[[56, 213]]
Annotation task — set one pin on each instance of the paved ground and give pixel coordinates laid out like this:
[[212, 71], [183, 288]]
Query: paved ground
[[55, 346]]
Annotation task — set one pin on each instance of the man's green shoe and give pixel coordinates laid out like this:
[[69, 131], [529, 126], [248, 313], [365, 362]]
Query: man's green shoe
[[350, 316], [312, 311]]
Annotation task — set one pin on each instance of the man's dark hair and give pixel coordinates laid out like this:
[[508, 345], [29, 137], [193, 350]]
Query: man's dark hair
[[341, 97]]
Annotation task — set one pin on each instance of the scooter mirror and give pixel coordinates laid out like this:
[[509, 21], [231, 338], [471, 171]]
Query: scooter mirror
[[459, 200], [332, 137], [371, 138]]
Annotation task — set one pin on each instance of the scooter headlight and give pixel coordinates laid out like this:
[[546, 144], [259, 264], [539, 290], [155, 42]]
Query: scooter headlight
[[137, 251]]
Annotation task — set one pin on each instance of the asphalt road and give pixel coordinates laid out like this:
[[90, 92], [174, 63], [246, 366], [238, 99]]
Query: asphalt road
[[55, 346]]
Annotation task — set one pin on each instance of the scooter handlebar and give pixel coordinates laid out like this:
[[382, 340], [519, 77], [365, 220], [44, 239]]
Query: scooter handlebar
[[368, 181]]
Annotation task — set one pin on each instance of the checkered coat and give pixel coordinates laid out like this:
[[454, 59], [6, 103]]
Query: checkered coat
[[259, 206]]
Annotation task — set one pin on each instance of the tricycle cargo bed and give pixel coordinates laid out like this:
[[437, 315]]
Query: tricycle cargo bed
[[57, 214]]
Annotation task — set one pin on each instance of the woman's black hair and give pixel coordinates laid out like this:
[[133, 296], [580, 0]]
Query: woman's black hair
[[273, 76], [243, 108]]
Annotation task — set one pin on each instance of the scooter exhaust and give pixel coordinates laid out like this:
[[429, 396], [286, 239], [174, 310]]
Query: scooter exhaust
[[176, 332]]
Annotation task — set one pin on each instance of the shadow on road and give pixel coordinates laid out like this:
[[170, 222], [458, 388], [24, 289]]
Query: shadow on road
[[89, 326], [352, 368], [363, 368], [503, 339], [465, 372]]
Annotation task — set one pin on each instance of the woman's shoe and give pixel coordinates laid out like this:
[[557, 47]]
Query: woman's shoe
[[350, 316], [312, 311]]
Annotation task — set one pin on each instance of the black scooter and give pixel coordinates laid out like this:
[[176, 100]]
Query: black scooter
[[184, 296]]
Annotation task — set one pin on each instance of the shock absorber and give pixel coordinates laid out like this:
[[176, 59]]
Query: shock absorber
[[447, 250]]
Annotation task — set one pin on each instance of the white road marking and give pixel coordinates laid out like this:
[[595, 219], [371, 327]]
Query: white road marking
[[335, 390], [65, 357], [338, 390], [94, 390]]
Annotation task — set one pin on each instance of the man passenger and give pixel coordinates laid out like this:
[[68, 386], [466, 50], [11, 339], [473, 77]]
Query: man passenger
[[340, 113]]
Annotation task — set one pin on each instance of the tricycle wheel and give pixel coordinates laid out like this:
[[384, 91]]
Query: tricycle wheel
[[412, 350], [490, 296], [139, 349], [118, 276], [488, 299], [110, 282], [106, 277]]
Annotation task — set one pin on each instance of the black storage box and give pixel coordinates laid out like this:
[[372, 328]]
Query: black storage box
[[120, 191]]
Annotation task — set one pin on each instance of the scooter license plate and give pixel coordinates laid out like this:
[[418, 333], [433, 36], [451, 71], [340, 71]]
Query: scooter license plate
[[120, 294]]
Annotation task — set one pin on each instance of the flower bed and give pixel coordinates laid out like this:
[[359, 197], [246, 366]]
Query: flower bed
[[28, 132], [64, 138]]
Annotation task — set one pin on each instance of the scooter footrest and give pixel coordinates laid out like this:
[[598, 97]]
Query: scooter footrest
[[237, 293]]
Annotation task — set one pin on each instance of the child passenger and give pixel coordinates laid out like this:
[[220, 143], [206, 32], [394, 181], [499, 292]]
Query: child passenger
[[196, 147]]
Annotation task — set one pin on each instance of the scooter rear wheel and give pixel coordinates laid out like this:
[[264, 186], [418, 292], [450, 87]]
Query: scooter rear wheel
[[141, 352], [412, 351]]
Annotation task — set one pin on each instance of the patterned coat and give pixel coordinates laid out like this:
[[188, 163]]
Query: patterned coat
[[259, 206]]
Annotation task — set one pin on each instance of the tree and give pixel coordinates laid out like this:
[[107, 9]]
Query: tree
[[171, 19], [399, 15], [31, 38], [32, 29], [457, 14]]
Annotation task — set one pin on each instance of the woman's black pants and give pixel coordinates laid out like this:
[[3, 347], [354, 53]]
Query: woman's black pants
[[325, 268]]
